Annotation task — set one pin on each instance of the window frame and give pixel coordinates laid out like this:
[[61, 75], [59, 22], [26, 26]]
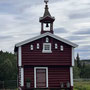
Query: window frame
[[46, 51]]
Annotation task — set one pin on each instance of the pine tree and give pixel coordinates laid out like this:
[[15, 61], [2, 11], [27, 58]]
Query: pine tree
[[78, 61]]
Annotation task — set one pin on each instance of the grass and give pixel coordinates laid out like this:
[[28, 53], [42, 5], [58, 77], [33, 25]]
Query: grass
[[82, 85]]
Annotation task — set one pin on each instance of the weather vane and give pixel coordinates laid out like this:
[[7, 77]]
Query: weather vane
[[46, 1]]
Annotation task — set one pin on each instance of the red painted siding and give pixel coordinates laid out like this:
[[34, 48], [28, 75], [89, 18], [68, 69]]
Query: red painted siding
[[29, 73], [36, 57], [56, 75]]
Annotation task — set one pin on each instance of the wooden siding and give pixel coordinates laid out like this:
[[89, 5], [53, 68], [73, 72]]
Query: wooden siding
[[36, 57], [29, 73], [56, 75]]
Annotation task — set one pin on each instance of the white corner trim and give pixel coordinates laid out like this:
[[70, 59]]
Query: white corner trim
[[35, 75], [19, 56], [72, 56], [71, 75], [22, 76]]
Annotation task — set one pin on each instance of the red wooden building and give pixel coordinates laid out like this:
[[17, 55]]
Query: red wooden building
[[45, 61]]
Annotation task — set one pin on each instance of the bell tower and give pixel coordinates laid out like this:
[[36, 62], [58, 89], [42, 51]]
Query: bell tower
[[47, 20]]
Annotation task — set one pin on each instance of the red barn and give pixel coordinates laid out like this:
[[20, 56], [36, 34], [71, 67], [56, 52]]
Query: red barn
[[45, 61]]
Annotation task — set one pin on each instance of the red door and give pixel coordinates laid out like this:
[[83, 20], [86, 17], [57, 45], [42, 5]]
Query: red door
[[40, 78]]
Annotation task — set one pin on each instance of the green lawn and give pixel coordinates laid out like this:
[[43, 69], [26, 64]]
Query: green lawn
[[82, 85]]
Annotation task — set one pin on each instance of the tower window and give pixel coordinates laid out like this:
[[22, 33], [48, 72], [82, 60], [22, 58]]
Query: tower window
[[56, 46], [46, 48], [31, 47], [46, 26], [61, 48], [38, 46]]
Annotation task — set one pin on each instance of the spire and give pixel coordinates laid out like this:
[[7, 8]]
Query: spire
[[47, 20], [46, 13]]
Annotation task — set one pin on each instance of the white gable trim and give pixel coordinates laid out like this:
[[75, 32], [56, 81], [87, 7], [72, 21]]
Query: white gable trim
[[43, 35], [71, 75], [19, 56], [35, 75]]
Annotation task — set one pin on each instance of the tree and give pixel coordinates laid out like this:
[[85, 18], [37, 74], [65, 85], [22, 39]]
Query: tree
[[76, 72], [78, 61], [8, 67]]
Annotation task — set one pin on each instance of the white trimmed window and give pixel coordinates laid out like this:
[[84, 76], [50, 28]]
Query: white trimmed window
[[38, 46], [47, 48], [56, 46], [61, 48], [47, 39], [31, 47]]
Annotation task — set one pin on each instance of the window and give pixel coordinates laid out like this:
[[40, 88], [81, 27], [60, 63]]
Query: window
[[38, 46], [31, 47], [47, 47], [61, 48], [47, 39], [56, 46]]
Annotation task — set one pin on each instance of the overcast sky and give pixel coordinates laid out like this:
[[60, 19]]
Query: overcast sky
[[19, 20]]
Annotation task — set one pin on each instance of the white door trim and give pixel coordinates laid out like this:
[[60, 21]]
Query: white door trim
[[35, 75]]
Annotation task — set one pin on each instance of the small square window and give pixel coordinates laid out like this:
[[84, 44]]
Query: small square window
[[31, 47], [56, 46], [47, 47]]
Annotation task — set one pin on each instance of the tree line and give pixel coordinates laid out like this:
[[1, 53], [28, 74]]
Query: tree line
[[81, 69], [8, 67]]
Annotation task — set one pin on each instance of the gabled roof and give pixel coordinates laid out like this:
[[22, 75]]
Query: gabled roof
[[43, 35]]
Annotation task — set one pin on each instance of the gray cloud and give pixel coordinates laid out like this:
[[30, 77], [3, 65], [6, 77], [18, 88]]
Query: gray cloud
[[5, 37], [60, 30], [79, 15], [19, 21], [83, 31], [84, 51], [76, 37]]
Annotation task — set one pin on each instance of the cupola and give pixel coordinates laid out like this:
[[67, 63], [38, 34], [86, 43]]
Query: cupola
[[47, 20]]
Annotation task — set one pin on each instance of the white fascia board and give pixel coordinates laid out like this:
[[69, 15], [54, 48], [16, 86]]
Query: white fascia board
[[64, 40], [71, 75], [43, 35]]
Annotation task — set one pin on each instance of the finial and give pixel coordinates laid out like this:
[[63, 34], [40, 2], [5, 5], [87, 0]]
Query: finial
[[46, 1]]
